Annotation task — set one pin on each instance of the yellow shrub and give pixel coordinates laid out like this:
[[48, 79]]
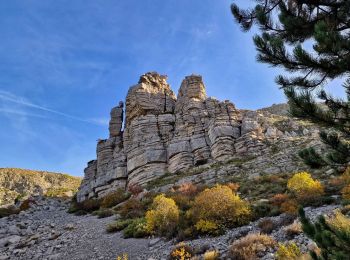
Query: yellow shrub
[[221, 206], [346, 192], [288, 251], [304, 187], [339, 223], [181, 252], [123, 257], [211, 255], [206, 226], [250, 246], [163, 217]]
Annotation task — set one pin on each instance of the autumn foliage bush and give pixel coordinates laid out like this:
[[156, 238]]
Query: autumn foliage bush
[[135, 189], [346, 192], [279, 199], [184, 202], [248, 247], [131, 208], [304, 187], [163, 216], [188, 189], [114, 198], [290, 206], [181, 252], [220, 206], [340, 224], [207, 227], [233, 186], [288, 251]]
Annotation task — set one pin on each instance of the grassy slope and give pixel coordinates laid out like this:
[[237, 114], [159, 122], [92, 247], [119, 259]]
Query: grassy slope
[[19, 182]]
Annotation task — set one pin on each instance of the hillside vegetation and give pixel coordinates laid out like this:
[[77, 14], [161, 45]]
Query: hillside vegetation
[[17, 183]]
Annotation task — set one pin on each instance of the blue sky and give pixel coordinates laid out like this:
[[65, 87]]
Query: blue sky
[[64, 64]]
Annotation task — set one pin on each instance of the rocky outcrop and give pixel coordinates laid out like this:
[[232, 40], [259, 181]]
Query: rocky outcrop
[[164, 134]]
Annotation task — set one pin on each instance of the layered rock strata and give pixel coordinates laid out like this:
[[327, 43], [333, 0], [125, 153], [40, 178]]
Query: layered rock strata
[[164, 134]]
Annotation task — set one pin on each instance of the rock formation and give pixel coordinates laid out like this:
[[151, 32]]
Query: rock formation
[[165, 135]]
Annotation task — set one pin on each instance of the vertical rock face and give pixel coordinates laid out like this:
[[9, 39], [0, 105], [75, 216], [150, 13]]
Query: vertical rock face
[[149, 125], [164, 134], [116, 121]]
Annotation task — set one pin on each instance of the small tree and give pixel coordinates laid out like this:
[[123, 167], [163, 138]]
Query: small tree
[[287, 28], [332, 236]]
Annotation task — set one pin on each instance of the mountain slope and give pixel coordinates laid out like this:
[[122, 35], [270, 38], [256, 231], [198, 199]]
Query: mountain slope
[[20, 182]]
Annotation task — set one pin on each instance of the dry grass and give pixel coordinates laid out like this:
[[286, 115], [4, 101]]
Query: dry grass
[[293, 229], [211, 255], [250, 246], [266, 226]]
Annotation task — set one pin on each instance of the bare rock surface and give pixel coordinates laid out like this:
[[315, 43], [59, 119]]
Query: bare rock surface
[[163, 134], [47, 231]]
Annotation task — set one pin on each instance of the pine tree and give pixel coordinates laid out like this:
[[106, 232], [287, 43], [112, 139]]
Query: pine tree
[[288, 28], [334, 244]]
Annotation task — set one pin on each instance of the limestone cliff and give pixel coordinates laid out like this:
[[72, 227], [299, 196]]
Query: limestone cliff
[[166, 135]]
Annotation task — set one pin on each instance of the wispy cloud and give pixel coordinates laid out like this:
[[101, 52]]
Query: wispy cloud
[[20, 113], [7, 96]]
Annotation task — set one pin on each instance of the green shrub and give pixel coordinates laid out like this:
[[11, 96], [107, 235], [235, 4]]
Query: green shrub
[[82, 208], [331, 234], [118, 225], [57, 192], [311, 158], [137, 228], [79, 212], [114, 198], [264, 209], [103, 213], [89, 205]]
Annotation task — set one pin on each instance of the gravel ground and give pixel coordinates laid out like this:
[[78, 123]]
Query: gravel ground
[[47, 231]]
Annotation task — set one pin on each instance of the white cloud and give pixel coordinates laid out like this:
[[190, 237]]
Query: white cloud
[[9, 97]]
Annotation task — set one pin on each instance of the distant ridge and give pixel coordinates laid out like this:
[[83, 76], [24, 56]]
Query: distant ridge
[[16, 183]]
